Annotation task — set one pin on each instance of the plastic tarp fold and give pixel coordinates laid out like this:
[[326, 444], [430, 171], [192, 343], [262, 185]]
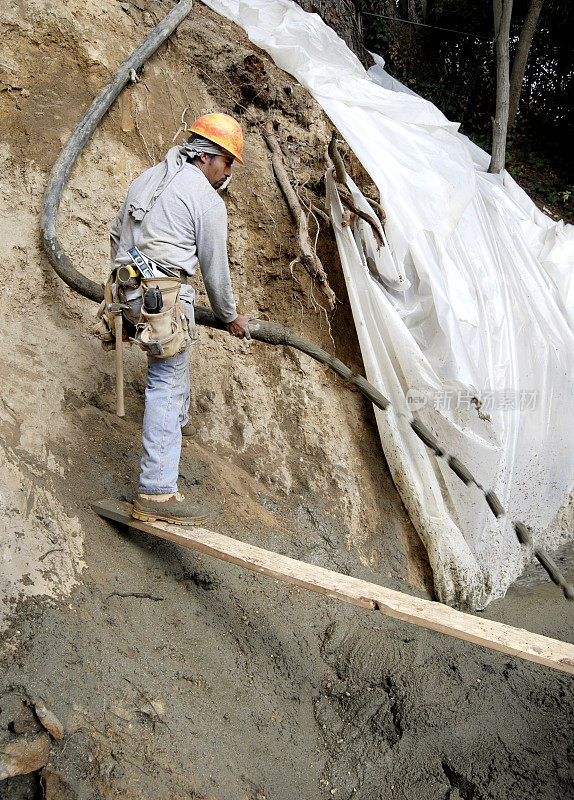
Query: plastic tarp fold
[[465, 318]]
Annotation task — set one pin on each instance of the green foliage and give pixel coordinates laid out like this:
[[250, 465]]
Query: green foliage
[[457, 73]]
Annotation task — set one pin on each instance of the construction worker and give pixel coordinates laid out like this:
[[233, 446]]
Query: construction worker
[[174, 216]]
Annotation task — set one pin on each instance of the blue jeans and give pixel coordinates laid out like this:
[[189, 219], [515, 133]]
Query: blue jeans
[[166, 412]]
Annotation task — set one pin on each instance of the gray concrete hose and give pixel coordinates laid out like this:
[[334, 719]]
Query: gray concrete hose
[[75, 144]]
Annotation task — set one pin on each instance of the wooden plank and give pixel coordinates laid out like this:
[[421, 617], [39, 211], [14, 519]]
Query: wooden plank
[[425, 613]]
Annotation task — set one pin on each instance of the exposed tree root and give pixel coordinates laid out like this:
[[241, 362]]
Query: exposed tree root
[[346, 197], [307, 255], [336, 158]]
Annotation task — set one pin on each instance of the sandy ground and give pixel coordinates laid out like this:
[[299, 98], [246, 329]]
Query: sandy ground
[[221, 684]]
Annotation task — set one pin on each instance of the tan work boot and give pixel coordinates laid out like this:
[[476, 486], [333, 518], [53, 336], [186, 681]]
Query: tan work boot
[[176, 509]]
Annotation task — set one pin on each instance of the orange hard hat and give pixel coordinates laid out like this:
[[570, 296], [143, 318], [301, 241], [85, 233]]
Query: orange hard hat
[[221, 129]]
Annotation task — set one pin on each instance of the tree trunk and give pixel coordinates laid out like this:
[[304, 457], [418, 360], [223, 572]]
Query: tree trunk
[[502, 15], [341, 15], [416, 10], [519, 63]]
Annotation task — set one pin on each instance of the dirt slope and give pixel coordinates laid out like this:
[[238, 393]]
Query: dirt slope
[[221, 683]]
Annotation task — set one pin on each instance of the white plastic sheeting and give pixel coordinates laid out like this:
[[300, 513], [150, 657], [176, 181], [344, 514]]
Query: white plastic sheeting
[[466, 317]]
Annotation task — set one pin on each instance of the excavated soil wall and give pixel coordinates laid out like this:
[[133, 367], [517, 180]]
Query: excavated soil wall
[[176, 676]]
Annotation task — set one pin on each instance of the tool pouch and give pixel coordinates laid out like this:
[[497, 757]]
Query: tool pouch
[[166, 332]]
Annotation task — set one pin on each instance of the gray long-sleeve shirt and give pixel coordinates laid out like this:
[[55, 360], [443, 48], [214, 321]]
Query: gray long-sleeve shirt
[[186, 225]]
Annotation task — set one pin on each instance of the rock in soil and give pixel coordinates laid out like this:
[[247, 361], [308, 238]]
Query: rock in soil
[[23, 754], [49, 720]]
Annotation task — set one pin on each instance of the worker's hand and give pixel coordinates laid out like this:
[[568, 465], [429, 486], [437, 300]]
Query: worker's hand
[[239, 327]]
